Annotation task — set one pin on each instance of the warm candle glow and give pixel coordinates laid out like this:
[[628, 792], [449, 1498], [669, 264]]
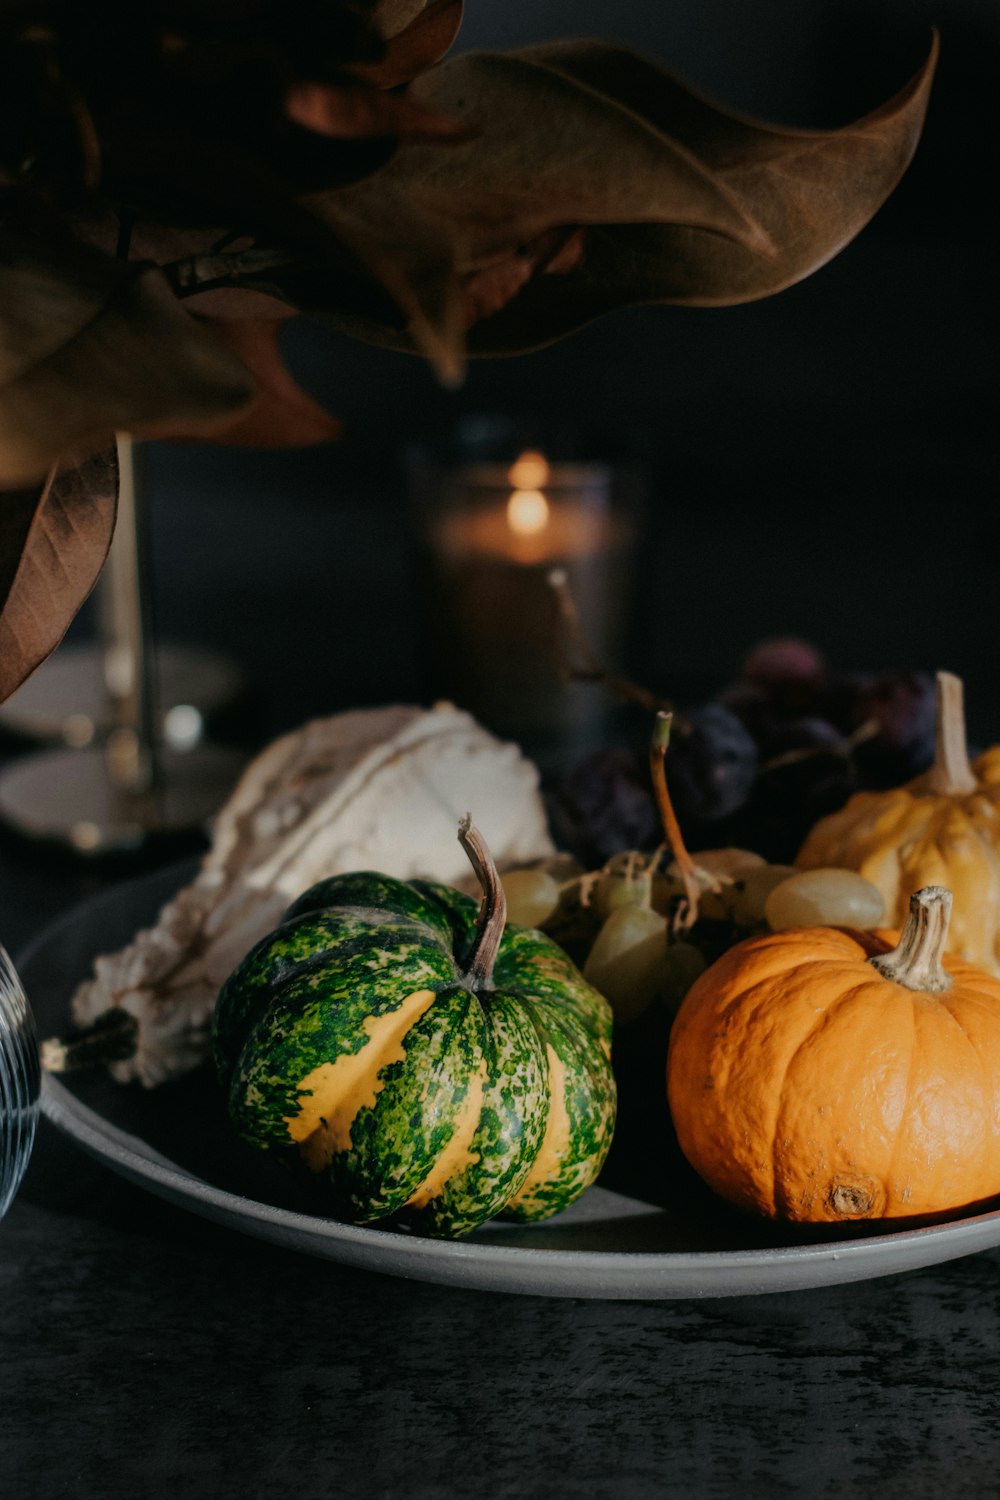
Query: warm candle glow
[[527, 512], [530, 472]]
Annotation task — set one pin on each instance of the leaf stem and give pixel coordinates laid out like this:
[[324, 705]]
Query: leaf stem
[[205, 273], [492, 917]]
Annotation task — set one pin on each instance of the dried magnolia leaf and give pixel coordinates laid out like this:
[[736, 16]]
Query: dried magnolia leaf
[[53, 542], [812, 191], [409, 259], [393, 16], [673, 200], [90, 345], [489, 290], [547, 154], [356, 111], [422, 44], [283, 415]]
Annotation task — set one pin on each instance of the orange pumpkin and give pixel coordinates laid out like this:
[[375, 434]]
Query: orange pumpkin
[[821, 1074], [941, 829]]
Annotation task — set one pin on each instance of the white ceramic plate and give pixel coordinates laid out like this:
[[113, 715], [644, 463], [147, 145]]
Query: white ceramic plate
[[615, 1243]]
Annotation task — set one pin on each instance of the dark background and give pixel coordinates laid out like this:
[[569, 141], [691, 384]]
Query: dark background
[[819, 463]]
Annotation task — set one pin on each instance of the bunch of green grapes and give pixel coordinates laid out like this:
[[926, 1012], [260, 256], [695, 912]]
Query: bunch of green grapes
[[626, 926]]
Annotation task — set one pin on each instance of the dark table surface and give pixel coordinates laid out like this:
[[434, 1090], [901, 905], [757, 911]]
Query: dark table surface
[[816, 464]]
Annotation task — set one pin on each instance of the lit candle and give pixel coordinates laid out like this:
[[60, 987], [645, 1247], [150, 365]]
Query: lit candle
[[493, 534]]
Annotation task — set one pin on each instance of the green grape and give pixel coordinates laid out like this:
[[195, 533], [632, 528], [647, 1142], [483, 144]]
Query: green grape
[[824, 898], [532, 897], [664, 892], [751, 890], [562, 867], [626, 880], [682, 964], [626, 960], [719, 871]]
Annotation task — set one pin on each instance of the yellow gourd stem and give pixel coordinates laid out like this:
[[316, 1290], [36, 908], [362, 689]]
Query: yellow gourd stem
[[689, 875], [915, 962], [951, 775], [492, 916]]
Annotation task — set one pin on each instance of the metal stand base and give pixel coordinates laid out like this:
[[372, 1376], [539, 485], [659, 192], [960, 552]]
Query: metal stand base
[[67, 699], [66, 797]]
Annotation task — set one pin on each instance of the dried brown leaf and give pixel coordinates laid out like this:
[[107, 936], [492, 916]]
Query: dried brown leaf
[[547, 151], [411, 260], [92, 345], [283, 415], [489, 290], [356, 111], [418, 47], [393, 16], [53, 542], [812, 190], [672, 199], [549, 154]]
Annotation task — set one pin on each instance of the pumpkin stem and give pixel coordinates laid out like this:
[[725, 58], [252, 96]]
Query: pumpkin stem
[[493, 912], [111, 1038], [916, 960], [688, 914], [951, 774]]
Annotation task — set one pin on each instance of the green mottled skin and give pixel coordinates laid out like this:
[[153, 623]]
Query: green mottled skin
[[357, 946]]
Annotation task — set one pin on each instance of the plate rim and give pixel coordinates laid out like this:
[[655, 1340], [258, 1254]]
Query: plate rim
[[480, 1265]]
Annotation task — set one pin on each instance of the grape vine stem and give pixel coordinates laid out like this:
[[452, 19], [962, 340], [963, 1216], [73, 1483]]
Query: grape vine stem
[[588, 667], [687, 914]]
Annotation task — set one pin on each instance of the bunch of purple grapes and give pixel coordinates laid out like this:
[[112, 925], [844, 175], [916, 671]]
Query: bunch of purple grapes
[[786, 743]]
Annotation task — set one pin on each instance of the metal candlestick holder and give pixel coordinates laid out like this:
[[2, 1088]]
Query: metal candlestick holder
[[139, 773]]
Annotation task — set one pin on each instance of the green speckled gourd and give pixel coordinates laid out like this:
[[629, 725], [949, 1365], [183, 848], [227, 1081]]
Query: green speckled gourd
[[437, 1066]]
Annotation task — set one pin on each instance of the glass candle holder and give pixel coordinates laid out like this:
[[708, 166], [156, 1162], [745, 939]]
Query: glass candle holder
[[493, 533], [19, 1082]]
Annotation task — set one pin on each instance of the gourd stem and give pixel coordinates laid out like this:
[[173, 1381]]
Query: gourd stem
[[493, 911], [916, 960], [689, 875], [951, 774], [113, 1037]]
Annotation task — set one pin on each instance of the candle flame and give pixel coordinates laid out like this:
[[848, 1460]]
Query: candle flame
[[530, 472], [527, 512]]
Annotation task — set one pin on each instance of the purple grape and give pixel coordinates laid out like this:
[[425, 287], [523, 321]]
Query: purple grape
[[608, 800], [780, 679], [838, 704], [711, 765], [902, 704], [808, 734], [806, 772], [782, 662]]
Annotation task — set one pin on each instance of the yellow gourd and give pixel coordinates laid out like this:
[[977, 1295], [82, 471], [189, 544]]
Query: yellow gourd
[[941, 829]]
